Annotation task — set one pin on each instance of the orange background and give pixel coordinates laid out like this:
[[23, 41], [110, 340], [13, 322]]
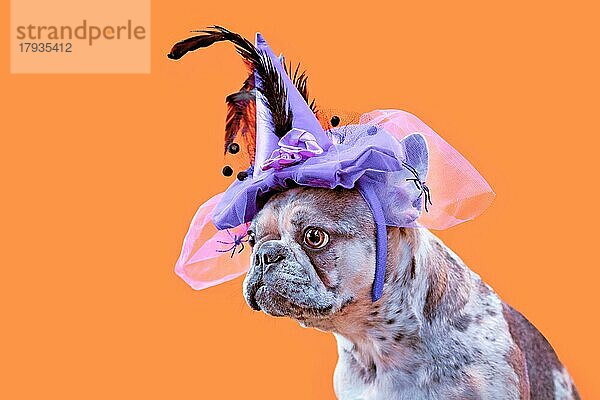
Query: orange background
[[101, 175]]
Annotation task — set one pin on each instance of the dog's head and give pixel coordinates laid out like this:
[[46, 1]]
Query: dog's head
[[313, 254]]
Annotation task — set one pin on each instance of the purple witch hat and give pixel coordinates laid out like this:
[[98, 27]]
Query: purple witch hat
[[303, 118], [396, 162]]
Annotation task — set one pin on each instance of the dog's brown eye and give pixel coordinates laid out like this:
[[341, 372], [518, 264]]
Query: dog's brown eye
[[315, 238]]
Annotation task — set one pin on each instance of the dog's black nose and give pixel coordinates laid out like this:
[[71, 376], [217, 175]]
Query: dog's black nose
[[269, 253]]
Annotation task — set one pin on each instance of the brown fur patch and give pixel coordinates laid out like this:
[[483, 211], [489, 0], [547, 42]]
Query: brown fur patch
[[449, 288], [438, 280], [516, 360], [540, 358]]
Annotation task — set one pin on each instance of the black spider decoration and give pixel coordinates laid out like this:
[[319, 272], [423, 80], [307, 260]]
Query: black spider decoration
[[419, 184], [237, 240]]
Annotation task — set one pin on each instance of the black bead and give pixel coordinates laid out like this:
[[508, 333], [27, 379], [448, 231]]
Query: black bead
[[242, 175], [227, 170], [234, 148], [335, 121]]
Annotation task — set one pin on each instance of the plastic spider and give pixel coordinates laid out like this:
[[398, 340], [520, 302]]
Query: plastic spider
[[419, 184], [237, 240]]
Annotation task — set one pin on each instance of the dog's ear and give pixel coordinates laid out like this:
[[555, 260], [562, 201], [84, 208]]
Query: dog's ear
[[408, 185], [417, 154]]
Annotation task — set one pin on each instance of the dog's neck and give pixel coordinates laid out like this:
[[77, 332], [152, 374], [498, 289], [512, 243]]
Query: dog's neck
[[426, 288]]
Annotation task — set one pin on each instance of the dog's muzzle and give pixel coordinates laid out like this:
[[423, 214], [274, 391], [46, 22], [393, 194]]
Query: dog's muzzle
[[268, 255]]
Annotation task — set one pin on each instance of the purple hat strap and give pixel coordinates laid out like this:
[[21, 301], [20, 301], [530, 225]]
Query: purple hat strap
[[367, 190]]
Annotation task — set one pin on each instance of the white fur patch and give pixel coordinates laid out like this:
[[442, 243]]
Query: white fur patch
[[563, 386]]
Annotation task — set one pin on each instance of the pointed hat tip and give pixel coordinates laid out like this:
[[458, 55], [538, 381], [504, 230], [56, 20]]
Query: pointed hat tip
[[260, 39]]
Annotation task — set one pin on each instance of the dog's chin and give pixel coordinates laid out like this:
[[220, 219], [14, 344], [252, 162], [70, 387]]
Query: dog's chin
[[276, 304]]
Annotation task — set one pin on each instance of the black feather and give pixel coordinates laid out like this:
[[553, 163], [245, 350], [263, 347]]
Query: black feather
[[194, 43], [271, 88], [275, 96], [300, 80]]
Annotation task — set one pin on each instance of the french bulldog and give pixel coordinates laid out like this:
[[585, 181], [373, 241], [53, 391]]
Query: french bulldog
[[438, 332]]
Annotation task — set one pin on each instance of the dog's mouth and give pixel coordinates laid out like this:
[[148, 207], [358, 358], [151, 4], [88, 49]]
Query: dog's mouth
[[263, 297], [251, 296]]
